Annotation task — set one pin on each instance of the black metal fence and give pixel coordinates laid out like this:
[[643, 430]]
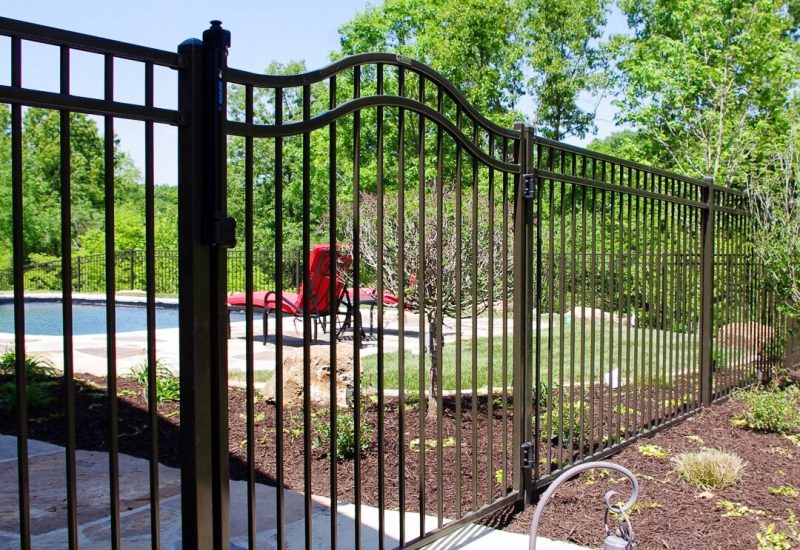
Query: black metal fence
[[549, 304], [88, 272]]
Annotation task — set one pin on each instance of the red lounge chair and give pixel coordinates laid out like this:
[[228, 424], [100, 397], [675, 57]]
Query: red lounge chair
[[318, 297]]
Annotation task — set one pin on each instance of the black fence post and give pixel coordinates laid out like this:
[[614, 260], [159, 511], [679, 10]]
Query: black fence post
[[707, 293], [522, 340], [204, 233]]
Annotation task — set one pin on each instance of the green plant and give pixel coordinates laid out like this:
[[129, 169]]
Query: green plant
[[660, 382], [563, 424], [653, 451], [346, 447], [783, 491], [36, 395], [737, 509], [168, 384], [709, 469], [40, 374], [772, 539], [775, 348], [543, 393], [35, 367], [719, 360], [772, 411]]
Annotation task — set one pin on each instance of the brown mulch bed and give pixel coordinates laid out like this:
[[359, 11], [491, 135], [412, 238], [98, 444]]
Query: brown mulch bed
[[670, 514]]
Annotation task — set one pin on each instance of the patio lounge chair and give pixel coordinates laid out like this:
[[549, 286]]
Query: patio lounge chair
[[318, 295]]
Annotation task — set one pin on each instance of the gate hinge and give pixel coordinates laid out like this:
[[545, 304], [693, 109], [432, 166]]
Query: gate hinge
[[224, 232], [528, 186], [526, 450]]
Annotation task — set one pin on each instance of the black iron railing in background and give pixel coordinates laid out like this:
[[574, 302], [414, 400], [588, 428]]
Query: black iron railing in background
[[88, 272], [613, 298]]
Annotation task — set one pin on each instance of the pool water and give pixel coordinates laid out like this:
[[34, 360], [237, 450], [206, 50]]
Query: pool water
[[45, 318]]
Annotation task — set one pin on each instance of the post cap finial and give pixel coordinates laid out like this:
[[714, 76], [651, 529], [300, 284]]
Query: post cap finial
[[217, 37]]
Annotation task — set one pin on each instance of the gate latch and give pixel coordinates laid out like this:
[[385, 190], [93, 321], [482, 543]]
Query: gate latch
[[528, 186], [526, 462]]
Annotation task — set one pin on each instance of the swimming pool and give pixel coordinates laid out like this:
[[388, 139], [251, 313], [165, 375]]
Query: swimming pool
[[44, 317]]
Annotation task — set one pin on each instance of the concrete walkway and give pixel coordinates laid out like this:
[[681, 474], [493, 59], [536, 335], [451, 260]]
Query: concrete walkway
[[48, 509]]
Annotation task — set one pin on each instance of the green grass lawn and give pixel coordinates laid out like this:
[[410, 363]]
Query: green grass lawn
[[672, 352]]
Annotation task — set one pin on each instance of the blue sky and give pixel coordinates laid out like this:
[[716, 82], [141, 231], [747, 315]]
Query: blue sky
[[261, 32]]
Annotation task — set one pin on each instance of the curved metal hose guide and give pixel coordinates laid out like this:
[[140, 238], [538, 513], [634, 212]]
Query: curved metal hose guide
[[572, 472]]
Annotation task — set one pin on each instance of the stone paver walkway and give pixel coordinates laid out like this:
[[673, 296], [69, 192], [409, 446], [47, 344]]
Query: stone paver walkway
[[49, 520]]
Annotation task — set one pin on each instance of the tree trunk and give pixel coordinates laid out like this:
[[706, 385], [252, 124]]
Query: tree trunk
[[433, 393]]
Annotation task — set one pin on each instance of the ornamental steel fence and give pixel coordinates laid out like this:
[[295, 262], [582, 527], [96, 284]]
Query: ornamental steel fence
[[537, 305]]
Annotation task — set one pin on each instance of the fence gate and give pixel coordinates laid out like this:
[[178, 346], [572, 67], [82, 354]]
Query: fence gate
[[476, 308], [420, 194]]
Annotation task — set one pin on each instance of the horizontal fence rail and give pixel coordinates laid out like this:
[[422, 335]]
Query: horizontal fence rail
[[441, 314]]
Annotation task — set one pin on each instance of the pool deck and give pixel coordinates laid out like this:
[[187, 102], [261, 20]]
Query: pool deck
[[89, 351]]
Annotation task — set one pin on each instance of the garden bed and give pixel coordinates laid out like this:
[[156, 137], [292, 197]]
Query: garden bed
[[670, 513]]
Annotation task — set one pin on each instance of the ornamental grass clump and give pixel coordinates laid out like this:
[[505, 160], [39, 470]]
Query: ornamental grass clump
[[168, 384], [709, 469]]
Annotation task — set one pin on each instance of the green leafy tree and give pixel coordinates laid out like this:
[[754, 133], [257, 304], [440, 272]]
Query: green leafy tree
[[42, 182], [627, 144], [472, 43], [775, 203], [495, 51], [708, 81], [562, 51]]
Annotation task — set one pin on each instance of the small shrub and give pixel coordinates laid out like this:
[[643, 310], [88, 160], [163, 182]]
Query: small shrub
[[775, 348], [544, 394], [40, 374], [37, 395], [710, 469], [36, 368], [771, 411], [660, 382], [168, 384], [346, 447], [718, 359], [569, 430]]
